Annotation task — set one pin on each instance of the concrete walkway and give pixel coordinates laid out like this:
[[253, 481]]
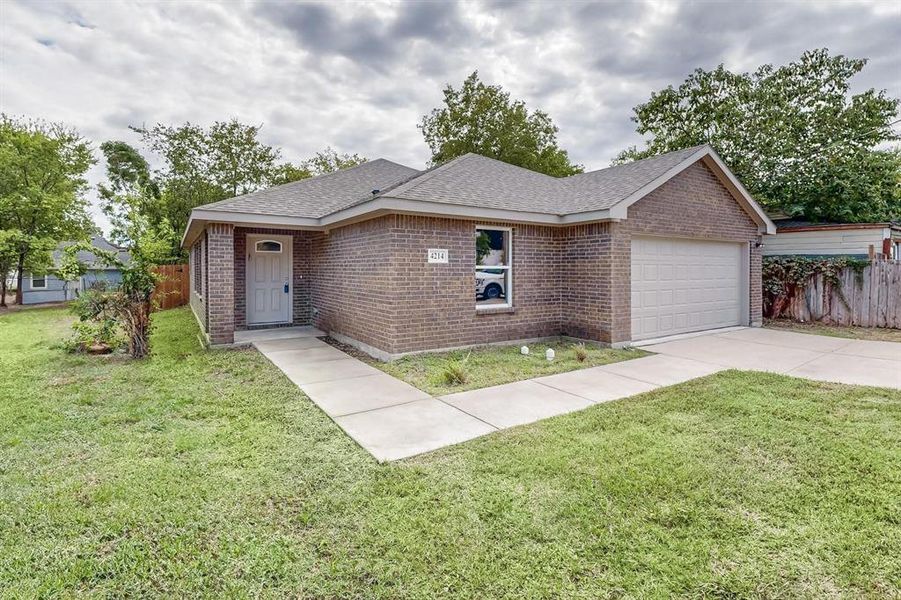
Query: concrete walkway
[[840, 360], [392, 419]]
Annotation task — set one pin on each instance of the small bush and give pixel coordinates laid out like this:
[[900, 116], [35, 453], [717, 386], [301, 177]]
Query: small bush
[[455, 374], [581, 352], [97, 337]]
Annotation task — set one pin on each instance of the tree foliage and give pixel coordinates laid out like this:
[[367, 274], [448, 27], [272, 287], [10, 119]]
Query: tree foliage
[[483, 119], [794, 135], [199, 166], [129, 305], [329, 161], [42, 185]]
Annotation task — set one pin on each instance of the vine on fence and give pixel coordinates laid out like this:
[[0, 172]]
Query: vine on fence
[[786, 277]]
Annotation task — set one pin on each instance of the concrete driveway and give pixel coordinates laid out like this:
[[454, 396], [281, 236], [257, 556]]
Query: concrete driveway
[[857, 362], [392, 420]]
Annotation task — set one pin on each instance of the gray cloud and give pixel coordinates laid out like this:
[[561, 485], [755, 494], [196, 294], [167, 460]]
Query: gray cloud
[[359, 76]]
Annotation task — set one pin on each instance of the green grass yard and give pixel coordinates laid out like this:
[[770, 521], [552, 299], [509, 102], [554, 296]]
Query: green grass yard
[[207, 473], [495, 365]]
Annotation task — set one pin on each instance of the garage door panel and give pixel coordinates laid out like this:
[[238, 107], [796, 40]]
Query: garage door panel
[[682, 285]]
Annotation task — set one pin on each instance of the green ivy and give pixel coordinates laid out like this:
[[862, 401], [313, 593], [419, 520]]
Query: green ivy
[[786, 277]]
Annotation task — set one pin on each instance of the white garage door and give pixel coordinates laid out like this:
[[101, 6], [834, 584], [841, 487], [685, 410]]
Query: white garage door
[[681, 285]]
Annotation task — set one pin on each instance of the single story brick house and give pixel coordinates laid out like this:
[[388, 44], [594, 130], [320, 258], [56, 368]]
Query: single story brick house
[[394, 260]]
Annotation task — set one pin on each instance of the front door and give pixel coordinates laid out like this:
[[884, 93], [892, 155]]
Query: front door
[[269, 279]]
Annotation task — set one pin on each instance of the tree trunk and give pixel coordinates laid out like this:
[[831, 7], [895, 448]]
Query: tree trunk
[[139, 336], [3, 290], [20, 266]]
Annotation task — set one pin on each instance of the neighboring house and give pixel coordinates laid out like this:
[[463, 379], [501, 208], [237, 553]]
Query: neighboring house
[[861, 240], [384, 257], [38, 288]]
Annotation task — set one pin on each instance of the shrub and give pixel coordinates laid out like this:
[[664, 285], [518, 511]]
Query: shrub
[[581, 352], [97, 337], [455, 373]]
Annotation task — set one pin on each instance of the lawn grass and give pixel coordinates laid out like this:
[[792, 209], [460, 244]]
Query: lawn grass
[[494, 365], [881, 334], [208, 474]]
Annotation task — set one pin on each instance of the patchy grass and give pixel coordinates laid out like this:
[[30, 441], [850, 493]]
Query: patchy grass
[[858, 333], [493, 365], [208, 474]]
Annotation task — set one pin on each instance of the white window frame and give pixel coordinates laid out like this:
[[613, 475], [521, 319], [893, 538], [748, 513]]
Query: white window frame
[[39, 287], [256, 248], [508, 267]]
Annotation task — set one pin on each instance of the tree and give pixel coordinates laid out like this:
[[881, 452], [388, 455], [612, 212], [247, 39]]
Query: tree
[[483, 119], [130, 187], [329, 161], [200, 166], [794, 135], [42, 185], [130, 304], [10, 240], [206, 165]]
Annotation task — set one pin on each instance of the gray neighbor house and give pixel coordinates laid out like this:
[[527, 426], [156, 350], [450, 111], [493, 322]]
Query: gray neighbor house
[[394, 260], [39, 288]]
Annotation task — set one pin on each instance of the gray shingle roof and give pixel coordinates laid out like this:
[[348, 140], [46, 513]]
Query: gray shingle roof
[[473, 180], [602, 189], [319, 196], [469, 180]]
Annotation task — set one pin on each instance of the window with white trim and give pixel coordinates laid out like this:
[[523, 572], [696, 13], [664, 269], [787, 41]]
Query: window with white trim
[[39, 282], [269, 246], [494, 267]]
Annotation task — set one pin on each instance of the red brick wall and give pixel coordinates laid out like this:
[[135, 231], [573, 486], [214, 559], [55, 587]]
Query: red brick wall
[[220, 296], [351, 286], [434, 306], [586, 294]]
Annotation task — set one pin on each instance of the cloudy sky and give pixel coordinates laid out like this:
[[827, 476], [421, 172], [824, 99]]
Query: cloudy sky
[[359, 75]]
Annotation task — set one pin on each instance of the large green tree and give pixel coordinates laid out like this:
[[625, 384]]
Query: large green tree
[[484, 119], [795, 135], [130, 189], [42, 186]]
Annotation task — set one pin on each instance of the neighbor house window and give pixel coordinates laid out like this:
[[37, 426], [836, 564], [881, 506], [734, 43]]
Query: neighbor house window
[[494, 267], [269, 246], [38, 282]]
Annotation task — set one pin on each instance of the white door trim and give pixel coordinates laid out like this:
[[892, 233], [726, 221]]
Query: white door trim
[[287, 242]]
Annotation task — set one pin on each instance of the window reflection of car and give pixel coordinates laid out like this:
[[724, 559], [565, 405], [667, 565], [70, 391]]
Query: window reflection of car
[[490, 284]]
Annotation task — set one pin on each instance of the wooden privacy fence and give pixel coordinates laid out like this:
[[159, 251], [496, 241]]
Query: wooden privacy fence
[[173, 287], [873, 298]]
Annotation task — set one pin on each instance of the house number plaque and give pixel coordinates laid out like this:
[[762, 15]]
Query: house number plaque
[[437, 255]]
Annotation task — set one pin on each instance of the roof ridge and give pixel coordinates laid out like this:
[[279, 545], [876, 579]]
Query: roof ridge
[[640, 160], [305, 180], [505, 163]]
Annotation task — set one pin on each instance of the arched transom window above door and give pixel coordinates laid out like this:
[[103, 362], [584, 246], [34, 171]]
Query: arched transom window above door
[[269, 246]]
